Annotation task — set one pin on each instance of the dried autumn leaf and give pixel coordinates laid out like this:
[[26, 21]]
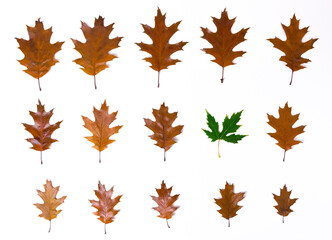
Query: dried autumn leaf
[[160, 49], [165, 202], [38, 51], [285, 133], [50, 204], [100, 128], [42, 130], [228, 202], [229, 127], [95, 51], [163, 132], [293, 47], [105, 205], [284, 202], [223, 41]]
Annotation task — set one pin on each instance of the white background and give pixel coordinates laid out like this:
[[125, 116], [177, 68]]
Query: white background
[[258, 83]]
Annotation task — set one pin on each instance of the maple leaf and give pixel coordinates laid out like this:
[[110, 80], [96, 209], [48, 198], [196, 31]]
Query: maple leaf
[[50, 204], [95, 51], [38, 51], [100, 128], [163, 132], [229, 127], [285, 133], [284, 202], [105, 205], [160, 49], [165, 202], [293, 47], [228, 202], [223, 41], [42, 130]]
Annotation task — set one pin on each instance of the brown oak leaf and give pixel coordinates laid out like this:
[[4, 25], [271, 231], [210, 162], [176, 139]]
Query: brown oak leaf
[[165, 202], [228, 202], [160, 49], [100, 128], [50, 204], [284, 202], [105, 205], [293, 47], [163, 132], [42, 130], [95, 51], [223, 41], [38, 51], [285, 133]]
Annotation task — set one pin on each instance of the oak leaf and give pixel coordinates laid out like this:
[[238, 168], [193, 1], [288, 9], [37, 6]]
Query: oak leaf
[[230, 126], [105, 205], [100, 128], [285, 133], [50, 204], [223, 41], [293, 47], [38, 51], [42, 130], [160, 49], [228, 202], [95, 51], [163, 132], [165, 202], [284, 202]]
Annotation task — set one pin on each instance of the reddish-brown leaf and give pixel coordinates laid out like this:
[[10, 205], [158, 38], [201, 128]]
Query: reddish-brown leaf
[[50, 204], [38, 51], [105, 205], [42, 130], [95, 51], [293, 47], [223, 41], [101, 132], [165, 202], [284, 202], [160, 49], [228, 202], [163, 132], [285, 133]]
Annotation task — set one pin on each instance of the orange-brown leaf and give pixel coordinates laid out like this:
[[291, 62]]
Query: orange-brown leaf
[[50, 204], [164, 133], [105, 205], [101, 132], [165, 202], [38, 51], [284, 202], [41, 130], [228, 202], [285, 133], [160, 49], [223, 41], [95, 51], [293, 47]]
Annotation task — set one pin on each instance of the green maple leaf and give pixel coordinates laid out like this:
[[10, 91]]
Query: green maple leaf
[[229, 127]]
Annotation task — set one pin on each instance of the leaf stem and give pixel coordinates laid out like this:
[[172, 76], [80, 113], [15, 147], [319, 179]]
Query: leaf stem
[[222, 76], [167, 223], [218, 148], [49, 230], [229, 223], [158, 78], [291, 78], [39, 85], [99, 156], [105, 228], [283, 221], [41, 157], [94, 79], [284, 156]]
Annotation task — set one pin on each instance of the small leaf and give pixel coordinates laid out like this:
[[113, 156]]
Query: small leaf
[[228, 202], [105, 205], [50, 204], [284, 202], [160, 49], [165, 202]]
